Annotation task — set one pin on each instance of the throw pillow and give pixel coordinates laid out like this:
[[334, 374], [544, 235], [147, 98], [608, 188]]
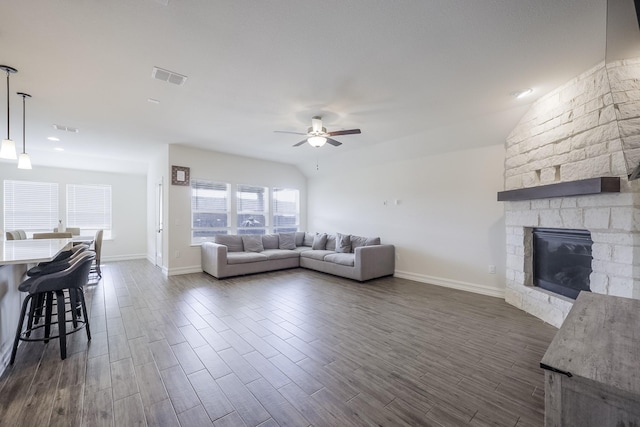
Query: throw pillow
[[308, 239], [252, 243], [233, 242], [331, 242], [343, 243], [319, 242], [357, 241], [299, 238], [287, 240], [270, 241]]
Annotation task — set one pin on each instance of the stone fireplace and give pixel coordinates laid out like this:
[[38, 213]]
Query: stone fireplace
[[587, 128]]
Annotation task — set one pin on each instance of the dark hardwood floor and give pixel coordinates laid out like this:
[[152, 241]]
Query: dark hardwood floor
[[288, 348]]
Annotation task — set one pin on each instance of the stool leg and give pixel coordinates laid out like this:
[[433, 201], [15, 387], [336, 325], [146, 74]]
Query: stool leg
[[17, 339], [62, 325], [85, 314], [73, 300], [48, 313], [32, 314]]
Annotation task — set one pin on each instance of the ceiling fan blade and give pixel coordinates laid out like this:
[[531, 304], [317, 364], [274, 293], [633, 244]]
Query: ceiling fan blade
[[300, 143], [333, 142], [345, 132], [286, 131]]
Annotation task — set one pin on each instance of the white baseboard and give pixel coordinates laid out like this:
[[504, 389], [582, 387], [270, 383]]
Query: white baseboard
[[182, 270], [123, 257], [449, 283]]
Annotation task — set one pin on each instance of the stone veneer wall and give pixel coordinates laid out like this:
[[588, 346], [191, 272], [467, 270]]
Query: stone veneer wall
[[587, 128]]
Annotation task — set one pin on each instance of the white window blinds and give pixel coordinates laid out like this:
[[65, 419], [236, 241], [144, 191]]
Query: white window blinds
[[286, 210], [30, 206], [253, 209], [210, 205], [89, 208]]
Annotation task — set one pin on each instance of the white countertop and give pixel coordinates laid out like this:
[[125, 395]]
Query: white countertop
[[31, 251]]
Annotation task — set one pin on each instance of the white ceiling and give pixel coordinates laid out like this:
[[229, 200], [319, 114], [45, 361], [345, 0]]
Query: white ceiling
[[418, 77]]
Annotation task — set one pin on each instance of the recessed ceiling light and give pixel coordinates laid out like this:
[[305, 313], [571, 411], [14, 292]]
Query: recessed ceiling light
[[522, 93], [153, 101], [59, 149], [53, 138]]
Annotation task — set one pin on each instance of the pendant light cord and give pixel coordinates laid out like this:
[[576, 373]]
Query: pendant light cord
[[24, 120], [8, 120]]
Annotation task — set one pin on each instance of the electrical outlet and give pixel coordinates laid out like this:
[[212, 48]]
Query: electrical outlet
[[492, 269], [177, 254]]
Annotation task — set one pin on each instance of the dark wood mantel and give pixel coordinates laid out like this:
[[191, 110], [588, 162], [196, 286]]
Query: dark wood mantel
[[605, 184]]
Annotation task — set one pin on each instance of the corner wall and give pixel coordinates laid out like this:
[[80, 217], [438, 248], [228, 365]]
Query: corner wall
[[447, 226], [181, 257]]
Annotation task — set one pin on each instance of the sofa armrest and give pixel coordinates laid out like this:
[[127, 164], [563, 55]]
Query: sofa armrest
[[375, 261], [214, 258]]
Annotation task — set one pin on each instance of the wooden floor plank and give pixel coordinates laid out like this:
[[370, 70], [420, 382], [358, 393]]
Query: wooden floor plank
[[292, 347]]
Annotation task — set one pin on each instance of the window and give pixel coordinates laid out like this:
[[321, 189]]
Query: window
[[286, 210], [209, 209], [89, 208], [253, 209], [30, 206]]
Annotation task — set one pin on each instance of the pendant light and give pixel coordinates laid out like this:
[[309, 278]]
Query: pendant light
[[24, 162], [8, 148]]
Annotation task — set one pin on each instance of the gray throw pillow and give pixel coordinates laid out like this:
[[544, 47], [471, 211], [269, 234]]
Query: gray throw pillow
[[233, 242], [287, 240], [299, 238], [319, 242], [357, 241], [331, 242], [270, 241], [252, 242], [308, 239], [343, 243]]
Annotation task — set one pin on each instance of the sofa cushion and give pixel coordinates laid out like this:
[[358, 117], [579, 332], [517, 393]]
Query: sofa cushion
[[252, 242], [331, 242], [342, 259], [343, 243], [244, 257], [319, 242], [319, 255], [287, 241], [280, 253], [299, 238], [308, 239], [231, 241], [270, 241]]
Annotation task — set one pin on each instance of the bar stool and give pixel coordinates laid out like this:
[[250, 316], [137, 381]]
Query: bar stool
[[71, 279], [61, 262]]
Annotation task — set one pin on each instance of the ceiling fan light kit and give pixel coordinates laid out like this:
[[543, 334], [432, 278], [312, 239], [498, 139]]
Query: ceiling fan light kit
[[317, 141]]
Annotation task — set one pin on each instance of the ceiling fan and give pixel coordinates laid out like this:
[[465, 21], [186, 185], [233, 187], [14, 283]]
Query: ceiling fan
[[317, 135]]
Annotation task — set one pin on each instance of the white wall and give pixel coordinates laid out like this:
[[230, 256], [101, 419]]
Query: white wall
[[129, 204], [181, 255], [447, 226]]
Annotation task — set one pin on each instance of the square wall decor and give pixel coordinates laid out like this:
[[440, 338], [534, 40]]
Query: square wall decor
[[179, 175]]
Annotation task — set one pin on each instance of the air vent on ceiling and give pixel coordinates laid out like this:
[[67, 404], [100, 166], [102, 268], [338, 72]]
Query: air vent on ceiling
[[168, 76], [66, 128]]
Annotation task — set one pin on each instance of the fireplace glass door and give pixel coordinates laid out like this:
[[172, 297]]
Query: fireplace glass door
[[562, 260]]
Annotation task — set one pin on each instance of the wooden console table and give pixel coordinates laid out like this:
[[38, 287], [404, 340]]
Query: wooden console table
[[592, 375]]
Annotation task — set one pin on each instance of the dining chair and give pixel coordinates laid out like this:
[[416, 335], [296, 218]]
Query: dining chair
[[97, 248], [16, 235]]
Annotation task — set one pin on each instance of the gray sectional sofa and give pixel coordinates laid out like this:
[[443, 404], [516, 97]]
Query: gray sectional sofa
[[353, 257]]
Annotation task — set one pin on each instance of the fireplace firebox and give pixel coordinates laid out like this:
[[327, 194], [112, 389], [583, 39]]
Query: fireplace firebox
[[562, 260]]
